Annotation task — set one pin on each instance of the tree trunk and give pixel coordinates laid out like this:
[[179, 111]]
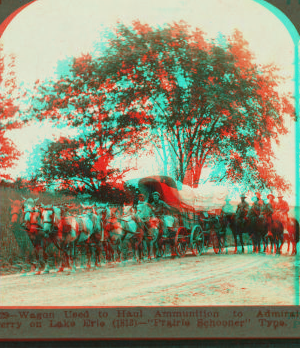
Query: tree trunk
[[192, 175], [165, 157], [197, 175]]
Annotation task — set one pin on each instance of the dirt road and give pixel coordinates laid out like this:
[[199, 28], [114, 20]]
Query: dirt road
[[210, 279]]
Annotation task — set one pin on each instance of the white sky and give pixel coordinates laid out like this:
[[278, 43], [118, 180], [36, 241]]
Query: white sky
[[51, 30]]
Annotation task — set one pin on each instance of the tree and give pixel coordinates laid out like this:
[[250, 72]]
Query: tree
[[215, 106], [82, 99], [8, 111], [78, 166], [207, 99]]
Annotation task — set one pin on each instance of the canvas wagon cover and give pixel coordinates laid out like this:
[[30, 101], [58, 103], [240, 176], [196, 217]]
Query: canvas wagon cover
[[205, 198]]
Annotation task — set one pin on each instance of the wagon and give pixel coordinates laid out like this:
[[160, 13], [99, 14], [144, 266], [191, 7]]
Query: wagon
[[187, 228], [213, 229]]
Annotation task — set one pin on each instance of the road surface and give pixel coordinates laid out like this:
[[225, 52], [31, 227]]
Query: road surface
[[209, 279]]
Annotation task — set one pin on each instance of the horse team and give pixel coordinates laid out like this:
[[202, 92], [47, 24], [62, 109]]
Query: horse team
[[106, 230], [109, 231]]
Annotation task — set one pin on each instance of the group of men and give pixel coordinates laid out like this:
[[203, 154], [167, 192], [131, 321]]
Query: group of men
[[270, 210], [158, 208]]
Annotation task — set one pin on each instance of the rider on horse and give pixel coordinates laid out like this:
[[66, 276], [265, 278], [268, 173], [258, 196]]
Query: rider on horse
[[255, 210], [268, 210], [282, 209], [242, 210]]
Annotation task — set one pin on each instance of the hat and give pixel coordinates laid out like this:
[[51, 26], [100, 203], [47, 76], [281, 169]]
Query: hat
[[243, 195], [270, 195], [156, 193], [141, 195]]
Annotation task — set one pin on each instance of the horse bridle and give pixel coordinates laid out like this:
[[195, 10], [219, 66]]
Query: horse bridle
[[26, 211], [52, 216]]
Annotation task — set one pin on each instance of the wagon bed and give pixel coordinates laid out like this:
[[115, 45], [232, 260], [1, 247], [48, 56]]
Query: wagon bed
[[194, 229]]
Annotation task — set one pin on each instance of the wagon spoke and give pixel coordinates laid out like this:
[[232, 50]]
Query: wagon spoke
[[197, 240], [181, 241]]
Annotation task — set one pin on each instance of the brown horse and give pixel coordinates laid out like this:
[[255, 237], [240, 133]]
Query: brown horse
[[94, 216], [150, 224], [292, 235], [25, 215], [122, 230], [64, 231], [32, 221], [22, 239]]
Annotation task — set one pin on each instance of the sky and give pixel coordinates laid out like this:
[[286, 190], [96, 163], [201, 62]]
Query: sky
[[49, 31]]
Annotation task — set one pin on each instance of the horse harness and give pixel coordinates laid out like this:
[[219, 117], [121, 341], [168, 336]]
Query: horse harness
[[52, 216]]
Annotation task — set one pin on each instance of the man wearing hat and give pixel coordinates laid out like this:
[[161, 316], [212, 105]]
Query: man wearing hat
[[159, 208], [142, 199], [272, 204], [242, 210], [269, 209], [282, 208], [255, 209], [143, 208]]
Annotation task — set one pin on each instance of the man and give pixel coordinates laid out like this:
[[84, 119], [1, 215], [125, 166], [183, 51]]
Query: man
[[255, 210], [269, 209], [282, 209], [142, 199], [160, 208], [271, 205], [242, 210], [227, 207]]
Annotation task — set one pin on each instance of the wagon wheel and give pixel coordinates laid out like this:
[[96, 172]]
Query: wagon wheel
[[197, 240], [181, 241], [215, 242]]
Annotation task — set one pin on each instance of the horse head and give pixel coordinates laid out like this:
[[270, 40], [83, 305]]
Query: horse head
[[15, 210], [47, 217], [87, 209]]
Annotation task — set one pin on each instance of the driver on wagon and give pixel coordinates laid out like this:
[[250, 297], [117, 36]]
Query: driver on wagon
[[159, 207]]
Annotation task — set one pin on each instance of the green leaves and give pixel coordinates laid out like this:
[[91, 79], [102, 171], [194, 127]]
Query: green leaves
[[212, 103]]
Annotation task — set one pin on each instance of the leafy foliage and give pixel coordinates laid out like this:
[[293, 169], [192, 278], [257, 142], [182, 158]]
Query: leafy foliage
[[78, 166], [208, 100], [83, 100], [214, 105], [8, 110]]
